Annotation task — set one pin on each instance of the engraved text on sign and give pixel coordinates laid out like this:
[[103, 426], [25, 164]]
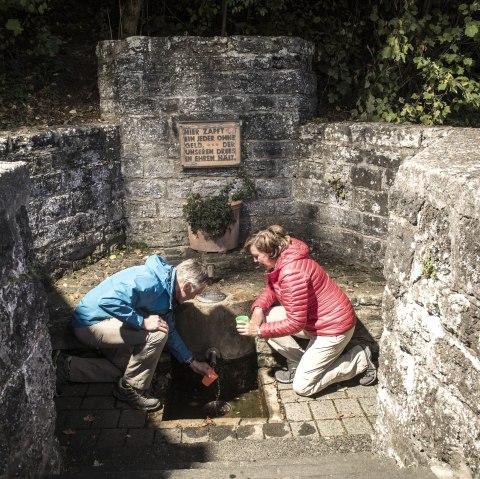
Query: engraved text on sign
[[209, 143]]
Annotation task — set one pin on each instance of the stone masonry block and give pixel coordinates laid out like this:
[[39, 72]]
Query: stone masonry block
[[272, 45], [179, 189], [270, 149], [383, 158], [312, 131], [273, 188], [393, 135], [144, 129], [374, 225], [337, 216], [371, 202], [460, 317], [132, 166], [311, 188], [458, 369], [159, 167], [366, 178], [314, 170], [261, 168], [338, 133], [145, 188], [274, 126], [466, 251]]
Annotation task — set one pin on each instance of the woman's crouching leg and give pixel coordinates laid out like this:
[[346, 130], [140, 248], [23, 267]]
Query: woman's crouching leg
[[323, 364]]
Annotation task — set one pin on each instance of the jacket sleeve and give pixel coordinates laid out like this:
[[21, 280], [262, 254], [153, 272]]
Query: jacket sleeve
[[121, 305], [266, 298], [175, 342], [294, 298]]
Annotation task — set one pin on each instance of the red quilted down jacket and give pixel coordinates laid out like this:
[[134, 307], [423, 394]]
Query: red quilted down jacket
[[313, 301]]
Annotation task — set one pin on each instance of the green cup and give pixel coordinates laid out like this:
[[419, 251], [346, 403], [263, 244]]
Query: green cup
[[240, 319]]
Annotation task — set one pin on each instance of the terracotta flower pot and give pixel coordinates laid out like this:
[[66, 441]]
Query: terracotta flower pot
[[202, 242]]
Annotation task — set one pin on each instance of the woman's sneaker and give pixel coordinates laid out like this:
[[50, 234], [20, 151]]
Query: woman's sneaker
[[285, 376], [134, 397], [370, 375]]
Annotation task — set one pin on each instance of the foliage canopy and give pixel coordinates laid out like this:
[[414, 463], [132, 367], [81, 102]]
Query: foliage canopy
[[408, 61]]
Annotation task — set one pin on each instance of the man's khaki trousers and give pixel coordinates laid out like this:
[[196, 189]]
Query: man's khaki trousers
[[322, 362], [128, 352]]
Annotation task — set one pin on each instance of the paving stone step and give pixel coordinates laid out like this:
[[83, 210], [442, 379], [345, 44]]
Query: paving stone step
[[335, 466]]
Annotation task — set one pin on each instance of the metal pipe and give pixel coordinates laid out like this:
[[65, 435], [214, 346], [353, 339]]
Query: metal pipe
[[212, 355]]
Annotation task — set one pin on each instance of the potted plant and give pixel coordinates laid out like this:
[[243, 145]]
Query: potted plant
[[213, 221]]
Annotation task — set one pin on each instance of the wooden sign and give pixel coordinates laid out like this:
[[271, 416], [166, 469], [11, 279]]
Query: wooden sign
[[214, 143]]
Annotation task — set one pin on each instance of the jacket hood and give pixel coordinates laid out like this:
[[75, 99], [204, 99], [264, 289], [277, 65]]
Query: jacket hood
[[164, 272], [295, 251]]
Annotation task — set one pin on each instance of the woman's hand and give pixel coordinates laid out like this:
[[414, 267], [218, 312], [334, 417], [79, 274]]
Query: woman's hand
[[258, 317], [200, 367], [155, 323], [247, 328]]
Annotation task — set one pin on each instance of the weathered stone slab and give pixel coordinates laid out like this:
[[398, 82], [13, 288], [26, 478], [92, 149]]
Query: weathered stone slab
[[430, 365], [27, 444]]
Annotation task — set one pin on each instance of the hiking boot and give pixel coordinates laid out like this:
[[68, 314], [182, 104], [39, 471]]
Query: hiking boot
[[62, 370], [285, 376], [370, 375], [135, 397]]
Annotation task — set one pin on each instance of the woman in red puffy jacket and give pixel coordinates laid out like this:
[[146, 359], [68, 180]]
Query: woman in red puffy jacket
[[312, 306]]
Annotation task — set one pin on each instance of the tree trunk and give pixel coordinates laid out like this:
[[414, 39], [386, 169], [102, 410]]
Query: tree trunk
[[224, 18], [130, 11]]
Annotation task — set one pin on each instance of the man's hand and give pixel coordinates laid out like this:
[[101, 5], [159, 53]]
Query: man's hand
[[200, 367], [155, 323]]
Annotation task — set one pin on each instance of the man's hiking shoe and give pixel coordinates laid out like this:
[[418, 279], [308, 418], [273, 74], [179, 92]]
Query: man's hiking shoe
[[134, 397], [62, 369], [285, 376], [370, 375]]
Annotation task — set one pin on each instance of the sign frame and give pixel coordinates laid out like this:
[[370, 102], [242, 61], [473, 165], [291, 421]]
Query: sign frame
[[216, 136]]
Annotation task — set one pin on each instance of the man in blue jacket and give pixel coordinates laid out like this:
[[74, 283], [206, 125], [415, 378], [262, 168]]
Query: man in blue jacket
[[129, 317]]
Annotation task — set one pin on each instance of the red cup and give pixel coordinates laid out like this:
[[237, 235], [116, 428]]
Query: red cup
[[206, 381]]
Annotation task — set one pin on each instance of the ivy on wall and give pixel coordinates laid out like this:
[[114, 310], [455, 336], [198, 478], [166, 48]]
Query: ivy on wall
[[426, 66]]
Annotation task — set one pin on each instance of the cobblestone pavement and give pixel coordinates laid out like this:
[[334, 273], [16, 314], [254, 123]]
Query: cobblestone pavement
[[98, 431], [90, 419], [89, 412]]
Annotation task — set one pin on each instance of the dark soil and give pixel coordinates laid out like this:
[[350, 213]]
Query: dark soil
[[67, 93]]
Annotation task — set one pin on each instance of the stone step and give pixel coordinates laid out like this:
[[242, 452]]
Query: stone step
[[335, 466]]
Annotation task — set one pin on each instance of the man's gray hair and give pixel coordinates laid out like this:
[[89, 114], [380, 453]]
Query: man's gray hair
[[193, 271]]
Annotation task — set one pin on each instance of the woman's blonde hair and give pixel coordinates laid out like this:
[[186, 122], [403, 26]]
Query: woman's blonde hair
[[272, 240]]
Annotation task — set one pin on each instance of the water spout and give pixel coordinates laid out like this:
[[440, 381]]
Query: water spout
[[212, 355]]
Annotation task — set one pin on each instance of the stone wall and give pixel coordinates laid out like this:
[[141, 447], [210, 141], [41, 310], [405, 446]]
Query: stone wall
[[429, 396], [345, 171], [148, 85], [76, 205], [28, 447]]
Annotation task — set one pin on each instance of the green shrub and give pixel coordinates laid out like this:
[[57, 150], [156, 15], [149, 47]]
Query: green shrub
[[212, 215]]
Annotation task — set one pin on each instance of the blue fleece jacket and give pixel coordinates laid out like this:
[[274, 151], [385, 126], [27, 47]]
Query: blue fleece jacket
[[132, 294]]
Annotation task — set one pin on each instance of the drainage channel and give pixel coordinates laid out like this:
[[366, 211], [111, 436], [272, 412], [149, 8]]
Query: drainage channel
[[242, 393]]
